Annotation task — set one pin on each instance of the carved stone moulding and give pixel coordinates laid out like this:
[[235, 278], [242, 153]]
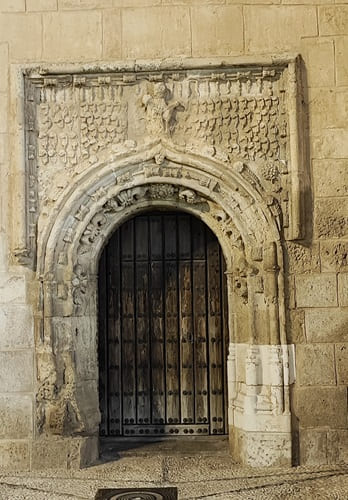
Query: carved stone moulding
[[244, 116]]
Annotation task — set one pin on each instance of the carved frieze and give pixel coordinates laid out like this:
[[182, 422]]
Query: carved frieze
[[237, 116]]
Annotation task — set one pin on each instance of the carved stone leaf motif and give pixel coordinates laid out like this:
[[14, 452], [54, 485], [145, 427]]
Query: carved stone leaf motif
[[249, 128]]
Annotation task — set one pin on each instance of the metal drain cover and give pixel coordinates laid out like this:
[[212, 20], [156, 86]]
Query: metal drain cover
[[137, 494]]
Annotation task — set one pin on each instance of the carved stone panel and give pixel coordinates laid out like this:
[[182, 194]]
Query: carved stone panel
[[242, 117]]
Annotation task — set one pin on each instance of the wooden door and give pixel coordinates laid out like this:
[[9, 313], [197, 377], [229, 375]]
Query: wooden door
[[162, 329]]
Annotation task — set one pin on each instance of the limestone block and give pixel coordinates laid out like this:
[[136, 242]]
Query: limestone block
[[3, 248], [343, 289], [140, 3], [327, 325], [342, 60], [12, 6], [41, 5], [296, 334], [313, 447], [12, 289], [333, 20], [330, 144], [331, 217], [321, 406], [212, 33], [145, 33], [3, 113], [331, 176], [16, 326], [15, 416], [14, 455], [280, 27], [328, 108], [337, 445], [315, 364], [334, 255], [3, 148], [88, 402], [84, 4], [24, 34], [316, 290], [260, 449], [341, 351], [252, 2], [85, 347], [64, 32], [112, 34], [16, 371], [302, 258], [4, 67], [319, 57], [63, 453]]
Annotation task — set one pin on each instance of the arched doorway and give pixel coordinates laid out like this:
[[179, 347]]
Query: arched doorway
[[163, 332]]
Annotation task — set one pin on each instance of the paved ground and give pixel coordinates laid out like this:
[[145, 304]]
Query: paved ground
[[197, 472]]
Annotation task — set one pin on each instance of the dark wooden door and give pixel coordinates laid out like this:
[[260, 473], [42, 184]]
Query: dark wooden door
[[162, 329]]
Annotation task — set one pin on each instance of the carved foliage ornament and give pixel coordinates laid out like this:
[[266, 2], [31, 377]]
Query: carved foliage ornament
[[233, 115]]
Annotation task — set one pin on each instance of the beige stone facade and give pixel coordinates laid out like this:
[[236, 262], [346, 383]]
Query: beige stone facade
[[276, 197]]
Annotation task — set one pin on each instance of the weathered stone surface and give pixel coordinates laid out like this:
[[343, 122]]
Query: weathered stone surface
[[341, 353], [63, 32], [112, 34], [331, 143], [14, 455], [333, 20], [320, 62], [15, 416], [140, 3], [313, 447], [327, 325], [316, 290], [16, 371], [84, 4], [315, 364], [331, 176], [321, 406], [337, 445], [24, 34], [12, 6], [334, 255], [343, 289], [265, 27], [64, 453], [3, 113], [303, 258], [297, 327], [4, 66], [144, 36], [254, 448], [12, 289], [41, 5], [331, 218], [327, 110], [211, 34], [341, 60], [16, 324]]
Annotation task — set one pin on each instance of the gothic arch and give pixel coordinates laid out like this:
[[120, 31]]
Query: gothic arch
[[247, 223]]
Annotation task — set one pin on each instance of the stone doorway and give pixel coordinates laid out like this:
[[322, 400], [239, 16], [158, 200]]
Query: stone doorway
[[162, 329], [219, 142]]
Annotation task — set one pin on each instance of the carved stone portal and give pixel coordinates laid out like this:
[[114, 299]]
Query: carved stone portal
[[221, 143]]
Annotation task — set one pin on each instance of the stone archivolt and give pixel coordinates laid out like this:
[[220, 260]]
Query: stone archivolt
[[214, 143]]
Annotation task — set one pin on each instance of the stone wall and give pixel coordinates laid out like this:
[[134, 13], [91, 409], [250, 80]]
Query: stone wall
[[62, 31]]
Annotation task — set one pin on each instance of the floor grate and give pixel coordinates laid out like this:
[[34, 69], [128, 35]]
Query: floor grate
[[137, 494]]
